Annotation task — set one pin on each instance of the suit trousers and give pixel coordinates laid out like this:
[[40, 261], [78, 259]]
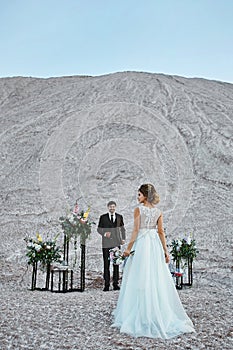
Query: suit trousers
[[107, 269]]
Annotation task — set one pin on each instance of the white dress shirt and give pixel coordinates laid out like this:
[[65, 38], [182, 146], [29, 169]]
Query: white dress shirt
[[114, 216]]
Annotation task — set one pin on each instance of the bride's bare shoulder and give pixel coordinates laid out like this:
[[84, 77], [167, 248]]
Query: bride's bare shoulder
[[136, 211]]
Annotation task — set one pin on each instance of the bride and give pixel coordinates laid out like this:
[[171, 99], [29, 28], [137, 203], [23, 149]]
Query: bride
[[148, 303]]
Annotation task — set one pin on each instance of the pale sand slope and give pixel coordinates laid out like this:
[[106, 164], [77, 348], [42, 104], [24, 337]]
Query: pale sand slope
[[99, 138]]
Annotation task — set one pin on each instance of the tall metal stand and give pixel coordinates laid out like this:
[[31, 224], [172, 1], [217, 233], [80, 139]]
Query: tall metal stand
[[189, 273], [47, 277], [66, 249], [34, 275], [184, 279], [82, 273], [82, 262], [178, 276]]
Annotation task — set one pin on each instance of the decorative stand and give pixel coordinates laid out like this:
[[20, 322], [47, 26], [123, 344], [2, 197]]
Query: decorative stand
[[66, 249], [82, 273], [188, 275], [34, 277], [176, 273], [65, 274], [178, 276], [183, 273]]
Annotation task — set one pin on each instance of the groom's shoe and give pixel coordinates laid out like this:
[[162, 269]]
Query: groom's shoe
[[106, 289], [116, 288]]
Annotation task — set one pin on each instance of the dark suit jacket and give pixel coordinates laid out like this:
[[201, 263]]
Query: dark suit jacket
[[117, 230]]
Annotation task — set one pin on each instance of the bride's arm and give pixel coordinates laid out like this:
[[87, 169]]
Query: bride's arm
[[135, 231], [162, 238]]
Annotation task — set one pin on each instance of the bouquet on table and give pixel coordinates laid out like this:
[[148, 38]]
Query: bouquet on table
[[76, 224], [45, 252], [184, 249], [117, 257]]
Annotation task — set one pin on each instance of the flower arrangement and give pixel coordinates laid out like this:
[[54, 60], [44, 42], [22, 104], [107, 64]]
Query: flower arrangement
[[76, 224], [183, 249], [116, 256], [41, 251]]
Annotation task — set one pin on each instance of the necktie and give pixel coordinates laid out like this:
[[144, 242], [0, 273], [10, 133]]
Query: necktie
[[112, 218]]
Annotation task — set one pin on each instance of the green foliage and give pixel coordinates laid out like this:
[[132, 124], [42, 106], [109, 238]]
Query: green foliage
[[76, 225], [72, 227], [41, 251], [183, 249]]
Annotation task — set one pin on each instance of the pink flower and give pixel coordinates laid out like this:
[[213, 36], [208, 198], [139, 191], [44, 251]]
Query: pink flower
[[178, 274], [76, 209]]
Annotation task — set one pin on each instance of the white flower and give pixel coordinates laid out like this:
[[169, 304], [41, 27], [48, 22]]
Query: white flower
[[48, 247], [37, 247], [118, 261], [179, 242], [188, 240], [70, 218], [116, 249]]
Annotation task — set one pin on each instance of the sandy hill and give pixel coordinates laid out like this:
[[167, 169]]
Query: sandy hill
[[99, 138]]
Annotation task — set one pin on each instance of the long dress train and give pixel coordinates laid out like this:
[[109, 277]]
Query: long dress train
[[148, 303]]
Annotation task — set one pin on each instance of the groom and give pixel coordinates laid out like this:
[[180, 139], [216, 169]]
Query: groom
[[111, 228]]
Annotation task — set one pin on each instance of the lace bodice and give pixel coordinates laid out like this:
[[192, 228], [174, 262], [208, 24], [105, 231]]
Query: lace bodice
[[149, 217]]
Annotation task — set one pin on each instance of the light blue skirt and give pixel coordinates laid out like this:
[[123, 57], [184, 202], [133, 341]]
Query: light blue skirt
[[148, 303]]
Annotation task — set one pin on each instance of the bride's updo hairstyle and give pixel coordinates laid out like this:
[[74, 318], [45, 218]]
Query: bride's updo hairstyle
[[150, 193]]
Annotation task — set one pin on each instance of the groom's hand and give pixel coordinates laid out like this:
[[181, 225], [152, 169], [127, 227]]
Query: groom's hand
[[107, 234]]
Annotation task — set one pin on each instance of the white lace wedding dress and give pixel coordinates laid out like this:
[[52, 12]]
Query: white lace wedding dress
[[148, 303]]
